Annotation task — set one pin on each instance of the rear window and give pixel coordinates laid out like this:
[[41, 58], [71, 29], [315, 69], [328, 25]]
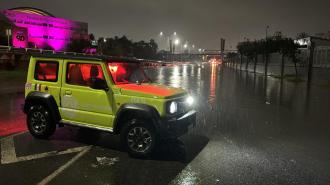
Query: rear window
[[46, 71]]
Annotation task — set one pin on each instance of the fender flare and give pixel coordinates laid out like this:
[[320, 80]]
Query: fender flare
[[45, 99], [143, 109]]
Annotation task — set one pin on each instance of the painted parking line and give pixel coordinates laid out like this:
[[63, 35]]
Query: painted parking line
[[13, 135], [50, 154], [65, 166], [8, 152], [8, 156]]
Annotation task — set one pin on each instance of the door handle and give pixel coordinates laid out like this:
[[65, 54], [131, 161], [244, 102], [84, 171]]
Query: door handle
[[67, 92]]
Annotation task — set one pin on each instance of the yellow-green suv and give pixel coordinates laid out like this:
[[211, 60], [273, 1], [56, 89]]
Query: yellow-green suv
[[104, 93]]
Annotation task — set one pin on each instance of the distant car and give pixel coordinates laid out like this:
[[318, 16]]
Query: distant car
[[215, 61], [104, 93]]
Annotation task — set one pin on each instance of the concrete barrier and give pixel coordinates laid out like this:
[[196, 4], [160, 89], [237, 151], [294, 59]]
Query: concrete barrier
[[321, 73]]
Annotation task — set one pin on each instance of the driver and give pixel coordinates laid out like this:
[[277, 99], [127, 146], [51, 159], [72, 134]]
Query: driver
[[94, 79], [137, 76]]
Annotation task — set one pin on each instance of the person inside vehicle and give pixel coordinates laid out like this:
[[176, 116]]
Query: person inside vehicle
[[94, 79]]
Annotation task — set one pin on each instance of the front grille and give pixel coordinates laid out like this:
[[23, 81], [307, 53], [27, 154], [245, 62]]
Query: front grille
[[182, 107]]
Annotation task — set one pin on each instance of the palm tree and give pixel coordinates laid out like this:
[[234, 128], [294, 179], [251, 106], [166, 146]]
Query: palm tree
[[257, 48], [267, 49], [240, 48]]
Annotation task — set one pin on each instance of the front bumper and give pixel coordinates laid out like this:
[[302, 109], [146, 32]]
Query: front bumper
[[178, 125]]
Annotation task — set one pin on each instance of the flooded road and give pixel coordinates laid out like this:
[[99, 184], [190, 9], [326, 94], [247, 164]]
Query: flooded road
[[249, 131]]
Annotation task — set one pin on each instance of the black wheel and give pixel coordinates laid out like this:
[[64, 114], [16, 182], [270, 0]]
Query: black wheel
[[139, 138], [39, 122]]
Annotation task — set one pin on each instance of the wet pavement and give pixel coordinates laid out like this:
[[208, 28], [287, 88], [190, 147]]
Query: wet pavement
[[249, 131]]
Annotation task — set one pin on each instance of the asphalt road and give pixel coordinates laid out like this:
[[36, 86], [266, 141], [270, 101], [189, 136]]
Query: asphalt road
[[248, 131]]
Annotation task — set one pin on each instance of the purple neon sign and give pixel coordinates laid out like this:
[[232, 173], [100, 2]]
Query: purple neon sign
[[44, 32]]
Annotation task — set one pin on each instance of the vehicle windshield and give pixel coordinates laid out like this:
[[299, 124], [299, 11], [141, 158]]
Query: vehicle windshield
[[126, 73]]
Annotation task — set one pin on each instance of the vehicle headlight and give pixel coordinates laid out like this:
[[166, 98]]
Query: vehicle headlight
[[173, 108], [190, 100]]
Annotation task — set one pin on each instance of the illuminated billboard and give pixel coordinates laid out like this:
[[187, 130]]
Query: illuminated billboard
[[20, 37], [33, 30]]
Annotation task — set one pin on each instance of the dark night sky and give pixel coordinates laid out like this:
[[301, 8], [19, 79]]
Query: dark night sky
[[201, 22]]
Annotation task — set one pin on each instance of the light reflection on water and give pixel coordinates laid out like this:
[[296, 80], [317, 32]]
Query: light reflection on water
[[225, 98], [175, 80], [213, 81]]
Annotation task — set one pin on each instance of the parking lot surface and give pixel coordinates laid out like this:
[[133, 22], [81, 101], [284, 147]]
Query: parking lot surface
[[248, 131]]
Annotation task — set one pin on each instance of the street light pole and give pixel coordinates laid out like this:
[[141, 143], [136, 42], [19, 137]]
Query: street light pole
[[8, 33], [267, 27], [169, 39]]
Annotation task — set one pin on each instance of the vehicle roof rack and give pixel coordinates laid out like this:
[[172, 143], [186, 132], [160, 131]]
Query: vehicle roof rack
[[81, 56]]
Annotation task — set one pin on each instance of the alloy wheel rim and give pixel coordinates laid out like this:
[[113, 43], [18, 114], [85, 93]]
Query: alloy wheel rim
[[38, 121], [139, 139]]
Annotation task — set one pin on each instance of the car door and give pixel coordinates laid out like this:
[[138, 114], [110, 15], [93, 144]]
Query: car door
[[46, 77], [80, 104]]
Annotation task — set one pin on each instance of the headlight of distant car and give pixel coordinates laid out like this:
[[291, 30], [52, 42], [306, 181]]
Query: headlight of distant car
[[190, 100], [172, 107]]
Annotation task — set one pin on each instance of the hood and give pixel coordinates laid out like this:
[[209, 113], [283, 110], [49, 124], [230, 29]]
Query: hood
[[151, 90]]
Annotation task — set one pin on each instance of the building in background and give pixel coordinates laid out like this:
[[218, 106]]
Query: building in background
[[34, 28], [321, 57]]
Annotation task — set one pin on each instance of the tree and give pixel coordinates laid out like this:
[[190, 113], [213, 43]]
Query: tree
[[241, 51], [3, 40], [292, 53], [78, 45], [91, 37], [123, 47], [248, 50], [257, 51], [154, 46], [302, 35], [277, 43]]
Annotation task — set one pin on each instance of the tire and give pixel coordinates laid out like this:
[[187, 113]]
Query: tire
[[40, 123], [139, 138]]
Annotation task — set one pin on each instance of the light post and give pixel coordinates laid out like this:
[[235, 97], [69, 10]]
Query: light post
[[176, 43], [185, 50], [267, 27], [169, 39], [8, 33]]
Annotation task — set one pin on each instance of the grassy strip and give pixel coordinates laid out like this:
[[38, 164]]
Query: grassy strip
[[13, 75], [290, 78]]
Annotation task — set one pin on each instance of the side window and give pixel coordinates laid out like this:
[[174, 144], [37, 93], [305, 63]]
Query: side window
[[83, 74], [46, 71]]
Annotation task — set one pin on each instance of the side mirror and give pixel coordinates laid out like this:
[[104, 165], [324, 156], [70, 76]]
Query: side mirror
[[99, 84]]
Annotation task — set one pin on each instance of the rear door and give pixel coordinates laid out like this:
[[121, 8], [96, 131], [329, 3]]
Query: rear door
[[80, 103], [45, 78]]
